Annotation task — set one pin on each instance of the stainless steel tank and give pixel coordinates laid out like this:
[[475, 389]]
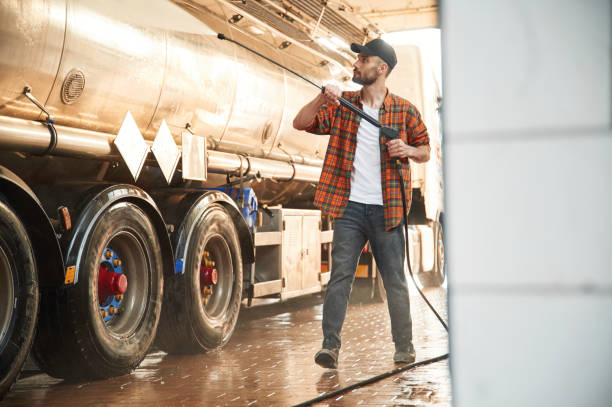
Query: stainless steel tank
[[89, 62]]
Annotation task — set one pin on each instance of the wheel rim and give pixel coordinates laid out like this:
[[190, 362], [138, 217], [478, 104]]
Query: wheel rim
[[124, 255], [216, 296], [7, 293]]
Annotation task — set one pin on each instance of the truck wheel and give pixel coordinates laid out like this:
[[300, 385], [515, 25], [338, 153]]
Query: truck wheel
[[436, 276], [18, 297], [105, 323], [201, 305]]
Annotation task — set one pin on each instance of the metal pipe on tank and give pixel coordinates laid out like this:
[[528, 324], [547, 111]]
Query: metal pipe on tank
[[227, 162], [33, 137], [230, 147]]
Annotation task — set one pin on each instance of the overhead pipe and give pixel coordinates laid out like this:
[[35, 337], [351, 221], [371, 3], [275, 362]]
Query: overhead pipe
[[33, 137]]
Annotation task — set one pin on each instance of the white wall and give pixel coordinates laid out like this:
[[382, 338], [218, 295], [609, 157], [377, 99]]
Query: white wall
[[528, 120]]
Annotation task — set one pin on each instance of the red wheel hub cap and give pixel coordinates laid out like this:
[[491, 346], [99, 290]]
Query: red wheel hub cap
[[110, 283], [209, 275]]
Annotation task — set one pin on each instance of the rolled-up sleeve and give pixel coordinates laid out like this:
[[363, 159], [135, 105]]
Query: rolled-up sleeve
[[417, 133], [322, 123]]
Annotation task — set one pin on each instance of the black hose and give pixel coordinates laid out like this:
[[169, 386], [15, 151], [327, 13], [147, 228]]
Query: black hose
[[371, 380], [403, 192]]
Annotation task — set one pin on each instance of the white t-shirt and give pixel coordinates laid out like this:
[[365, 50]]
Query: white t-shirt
[[366, 185]]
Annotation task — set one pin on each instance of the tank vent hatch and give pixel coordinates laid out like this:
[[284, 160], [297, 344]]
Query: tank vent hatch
[[73, 86]]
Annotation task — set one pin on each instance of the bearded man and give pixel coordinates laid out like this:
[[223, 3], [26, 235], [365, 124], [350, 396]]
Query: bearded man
[[360, 188]]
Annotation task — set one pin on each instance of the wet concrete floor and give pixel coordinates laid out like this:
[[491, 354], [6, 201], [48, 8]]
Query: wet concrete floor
[[269, 362]]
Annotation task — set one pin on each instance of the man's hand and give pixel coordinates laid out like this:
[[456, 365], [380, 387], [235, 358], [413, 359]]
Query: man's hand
[[331, 95], [398, 149], [306, 115]]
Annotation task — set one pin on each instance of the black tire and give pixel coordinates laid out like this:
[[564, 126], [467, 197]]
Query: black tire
[[188, 325], [18, 297], [74, 341], [436, 276]]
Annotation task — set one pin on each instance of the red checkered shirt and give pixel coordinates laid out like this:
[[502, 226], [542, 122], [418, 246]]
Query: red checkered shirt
[[341, 124]]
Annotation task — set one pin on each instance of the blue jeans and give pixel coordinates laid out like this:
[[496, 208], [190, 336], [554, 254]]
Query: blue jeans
[[358, 224]]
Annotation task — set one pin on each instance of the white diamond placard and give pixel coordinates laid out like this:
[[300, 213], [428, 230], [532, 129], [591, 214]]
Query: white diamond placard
[[131, 145], [166, 151]]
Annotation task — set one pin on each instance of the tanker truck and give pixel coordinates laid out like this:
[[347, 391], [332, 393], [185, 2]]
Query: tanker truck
[[150, 177]]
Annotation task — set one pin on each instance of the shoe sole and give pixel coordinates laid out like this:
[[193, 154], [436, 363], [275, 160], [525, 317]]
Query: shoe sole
[[401, 359], [326, 361], [404, 361], [404, 356]]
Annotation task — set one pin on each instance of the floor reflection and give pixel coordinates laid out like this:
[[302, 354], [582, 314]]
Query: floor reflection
[[269, 362]]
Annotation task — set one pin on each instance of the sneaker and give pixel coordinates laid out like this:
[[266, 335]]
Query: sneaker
[[327, 358], [404, 356]]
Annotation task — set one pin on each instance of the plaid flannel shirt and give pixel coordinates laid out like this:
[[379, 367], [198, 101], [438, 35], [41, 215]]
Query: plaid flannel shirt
[[341, 124]]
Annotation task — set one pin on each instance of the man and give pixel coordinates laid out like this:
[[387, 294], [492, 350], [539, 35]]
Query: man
[[359, 187]]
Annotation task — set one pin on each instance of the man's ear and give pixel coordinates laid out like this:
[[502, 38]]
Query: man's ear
[[383, 68]]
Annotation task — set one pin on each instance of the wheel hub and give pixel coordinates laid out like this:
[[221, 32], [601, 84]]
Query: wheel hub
[[112, 284], [209, 277]]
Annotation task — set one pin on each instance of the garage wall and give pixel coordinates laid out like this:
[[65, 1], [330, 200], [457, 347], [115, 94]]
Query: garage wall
[[528, 120]]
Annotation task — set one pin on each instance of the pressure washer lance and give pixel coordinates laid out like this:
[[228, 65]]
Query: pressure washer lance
[[385, 131], [389, 133]]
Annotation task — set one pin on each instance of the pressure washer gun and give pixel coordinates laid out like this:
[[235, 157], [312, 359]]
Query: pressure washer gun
[[385, 131]]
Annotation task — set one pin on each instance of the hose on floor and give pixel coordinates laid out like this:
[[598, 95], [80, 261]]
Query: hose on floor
[[371, 380]]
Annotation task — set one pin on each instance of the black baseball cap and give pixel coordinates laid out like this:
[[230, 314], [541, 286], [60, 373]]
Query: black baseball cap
[[378, 48]]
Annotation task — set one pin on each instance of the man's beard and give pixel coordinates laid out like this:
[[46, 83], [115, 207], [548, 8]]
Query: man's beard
[[364, 79]]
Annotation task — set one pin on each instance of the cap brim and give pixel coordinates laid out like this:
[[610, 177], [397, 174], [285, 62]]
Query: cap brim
[[357, 48]]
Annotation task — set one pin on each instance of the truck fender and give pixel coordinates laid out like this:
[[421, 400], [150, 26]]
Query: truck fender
[[246, 238], [95, 208], [47, 250], [184, 209]]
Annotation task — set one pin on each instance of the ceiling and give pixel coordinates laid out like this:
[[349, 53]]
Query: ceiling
[[376, 17], [394, 15], [347, 20], [324, 27]]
